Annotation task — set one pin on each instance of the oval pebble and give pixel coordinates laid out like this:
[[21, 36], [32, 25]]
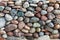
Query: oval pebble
[[36, 25]]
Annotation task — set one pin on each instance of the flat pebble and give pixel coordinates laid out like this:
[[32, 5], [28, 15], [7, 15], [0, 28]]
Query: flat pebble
[[14, 21], [56, 11], [33, 5], [36, 25], [29, 14], [41, 33], [8, 8], [2, 22], [25, 31], [20, 19], [2, 14], [55, 32], [10, 27], [34, 19], [8, 17]]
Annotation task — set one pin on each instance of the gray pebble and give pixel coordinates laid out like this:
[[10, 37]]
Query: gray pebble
[[55, 32], [43, 12], [36, 25], [20, 19], [26, 20]]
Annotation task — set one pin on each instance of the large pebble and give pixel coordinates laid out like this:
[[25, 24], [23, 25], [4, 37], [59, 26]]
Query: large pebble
[[34, 19], [56, 6], [36, 25], [2, 22], [56, 11], [10, 27], [1, 8], [8, 17], [26, 5], [29, 14], [21, 25], [43, 12]]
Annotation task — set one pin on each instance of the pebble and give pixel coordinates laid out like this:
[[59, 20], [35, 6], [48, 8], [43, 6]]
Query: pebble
[[49, 9], [8, 17], [2, 22], [16, 17], [6, 11], [20, 19], [35, 1], [34, 19], [36, 35], [10, 34], [58, 16], [21, 25], [26, 20], [27, 27], [44, 18], [38, 15], [56, 6], [10, 27], [1, 14], [8, 8], [24, 10], [41, 33], [56, 11], [38, 9], [29, 14], [43, 12], [57, 26], [25, 31], [2, 38], [42, 22], [26, 5], [19, 2], [55, 32], [32, 30], [50, 24], [1, 8], [20, 14], [45, 6], [28, 34], [33, 5], [38, 29], [51, 16], [48, 21], [40, 3], [14, 21], [36, 25], [29, 24], [4, 35]]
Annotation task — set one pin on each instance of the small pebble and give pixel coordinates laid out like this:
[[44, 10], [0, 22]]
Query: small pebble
[[29, 24], [4, 35], [8, 17], [36, 25], [41, 33], [21, 25], [26, 20], [1, 8], [2, 22], [20, 19], [1, 14], [44, 18], [43, 12], [8, 8], [28, 34], [14, 21], [38, 15], [33, 5], [55, 32], [26, 27], [38, 29], [56, 11], [57, 26], [25, 31], [36, 35], [26, 5], [38, 9], [56, 6], [32, 30], [29, 14], [10, 34]]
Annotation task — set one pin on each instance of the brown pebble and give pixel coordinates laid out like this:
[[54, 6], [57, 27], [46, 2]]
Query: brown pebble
[[57, 26], [28, 34], [10, 27], [10, 33], [14, 21], [5, 11], [38, 15], [44, 18], [16, 30], [38, 9], [21, 25], [58, 16], [26, 27], [2, 38], [36, 35], [40, 3]]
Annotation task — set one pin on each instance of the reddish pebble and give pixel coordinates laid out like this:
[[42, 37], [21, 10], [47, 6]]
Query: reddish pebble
[[14, 21], [2, 39], [10, 33], [40, 3], [38, 9], [38, 15], [44, 18], [36, 35]]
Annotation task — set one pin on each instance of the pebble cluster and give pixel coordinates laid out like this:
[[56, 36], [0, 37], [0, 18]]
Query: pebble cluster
[[29, 19]]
